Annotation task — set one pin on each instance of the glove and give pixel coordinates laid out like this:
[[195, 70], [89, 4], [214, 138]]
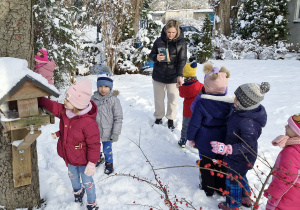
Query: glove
[[221, 148], [191, 143], [114, 137], [90, 169]]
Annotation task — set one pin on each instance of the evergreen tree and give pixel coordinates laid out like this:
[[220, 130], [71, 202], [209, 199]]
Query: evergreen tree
[[264, 20], [273, 26], [53, 30], [249, 17], [206, 50]]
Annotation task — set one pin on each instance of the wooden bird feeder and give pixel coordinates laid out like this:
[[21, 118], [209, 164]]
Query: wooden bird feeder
[[22, 117]]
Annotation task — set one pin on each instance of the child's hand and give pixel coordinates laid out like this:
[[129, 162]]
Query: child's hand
[[53, 135], [90, 169], [221, 148], [191, 143], [114, 137]]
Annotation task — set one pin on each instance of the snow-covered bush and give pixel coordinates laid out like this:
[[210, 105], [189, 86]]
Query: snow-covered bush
[[238, 48], [266, 20]]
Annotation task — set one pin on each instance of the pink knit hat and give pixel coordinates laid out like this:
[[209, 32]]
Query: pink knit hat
[[294, 123], [216, 86], [79, 94], [42, 59]]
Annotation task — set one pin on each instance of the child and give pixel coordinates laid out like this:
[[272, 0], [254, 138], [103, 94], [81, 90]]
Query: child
[[109, 117], [284, 191], [44, 66], [209, 121], [78, 142], [189, 90], [246, 123]]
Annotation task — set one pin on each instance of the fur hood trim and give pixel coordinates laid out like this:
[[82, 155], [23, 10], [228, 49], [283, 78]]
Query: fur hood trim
[[226, 98]]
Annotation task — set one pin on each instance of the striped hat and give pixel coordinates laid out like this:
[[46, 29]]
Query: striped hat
[[250, 95], [104, 79]]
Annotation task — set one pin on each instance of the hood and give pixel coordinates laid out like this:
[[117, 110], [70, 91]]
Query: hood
[[93, 112], [258, 114], [219, 107], [165, 39]]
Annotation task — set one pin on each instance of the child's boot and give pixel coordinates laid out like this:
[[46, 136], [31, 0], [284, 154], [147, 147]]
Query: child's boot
[[109, 168], [101, 160], [182, 142], [92, 206], [246, 201], [79, 195]]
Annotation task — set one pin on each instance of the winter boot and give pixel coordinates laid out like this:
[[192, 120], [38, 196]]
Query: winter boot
[[109, 168], [182, 143], [158, 121], [171, 125], [246, 201], [92, 206], [225, 206], [101, 160], [79, 195]]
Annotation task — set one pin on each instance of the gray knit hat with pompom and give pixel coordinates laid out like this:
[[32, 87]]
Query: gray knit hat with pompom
[[250, 95]]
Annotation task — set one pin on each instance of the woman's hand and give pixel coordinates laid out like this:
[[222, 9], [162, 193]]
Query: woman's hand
[[160, 57], [179, 81]]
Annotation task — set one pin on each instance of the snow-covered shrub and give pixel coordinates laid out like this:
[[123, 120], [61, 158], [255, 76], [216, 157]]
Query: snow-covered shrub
[[266, 20], [238, 48]]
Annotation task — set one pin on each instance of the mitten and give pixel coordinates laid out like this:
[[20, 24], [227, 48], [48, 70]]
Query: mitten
[[90, 169], [191, 143], [221, 148], [114, 137]]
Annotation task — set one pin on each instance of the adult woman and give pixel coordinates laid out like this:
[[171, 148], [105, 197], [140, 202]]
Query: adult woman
[[167, 76]]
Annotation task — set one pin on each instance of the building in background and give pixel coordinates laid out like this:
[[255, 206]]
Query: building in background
[[294, 23]]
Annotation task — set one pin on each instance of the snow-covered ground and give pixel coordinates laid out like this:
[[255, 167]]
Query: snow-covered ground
[[159, 144]]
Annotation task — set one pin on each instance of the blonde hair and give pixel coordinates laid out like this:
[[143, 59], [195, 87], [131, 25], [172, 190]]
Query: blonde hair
[[173, 23]]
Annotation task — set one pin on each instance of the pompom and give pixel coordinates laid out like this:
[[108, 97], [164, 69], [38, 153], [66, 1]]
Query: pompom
[[207, 68], [194, 64], [224, 69], [105, 69], [265, 87]]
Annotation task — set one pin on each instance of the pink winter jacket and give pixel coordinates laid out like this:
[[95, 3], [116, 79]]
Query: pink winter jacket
[[286, 178], [46, 70]]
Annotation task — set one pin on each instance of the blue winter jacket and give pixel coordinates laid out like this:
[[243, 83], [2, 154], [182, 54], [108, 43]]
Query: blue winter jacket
[[248, 126], [209, 121]]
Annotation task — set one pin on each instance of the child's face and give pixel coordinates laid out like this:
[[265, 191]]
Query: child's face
[[68, 105], [39, 53], [104, 90], [289, 132]]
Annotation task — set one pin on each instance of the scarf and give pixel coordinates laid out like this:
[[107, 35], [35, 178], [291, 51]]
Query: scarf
[[70, 114], [283, 141]]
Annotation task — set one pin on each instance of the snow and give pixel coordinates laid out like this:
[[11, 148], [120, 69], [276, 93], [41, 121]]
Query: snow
[[12, 70], [159, 144]]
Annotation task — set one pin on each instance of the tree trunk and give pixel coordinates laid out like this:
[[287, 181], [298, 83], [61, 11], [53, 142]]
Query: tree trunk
[[16, 37], [234, 8], [222, 21], [136, 5], [16, 40]]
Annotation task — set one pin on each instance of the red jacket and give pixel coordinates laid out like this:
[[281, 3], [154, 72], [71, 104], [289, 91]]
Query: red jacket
[[79, 140], [189, 90]]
